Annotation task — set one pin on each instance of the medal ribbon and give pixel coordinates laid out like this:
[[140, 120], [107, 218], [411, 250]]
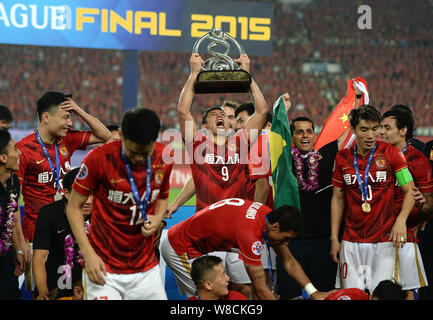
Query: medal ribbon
[[405, 147], [56, 173], [141, 205], [363, 186], [265, 235]]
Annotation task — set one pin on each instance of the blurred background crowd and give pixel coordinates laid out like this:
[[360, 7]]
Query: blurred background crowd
[[395, 57]]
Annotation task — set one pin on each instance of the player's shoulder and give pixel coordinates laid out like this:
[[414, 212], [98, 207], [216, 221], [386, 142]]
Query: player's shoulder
[[345, 153], [27, 141], [416, 158], [110, 150], [163, 152], [234, 295]]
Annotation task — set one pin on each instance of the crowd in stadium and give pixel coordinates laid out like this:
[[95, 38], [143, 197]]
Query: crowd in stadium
[[395, 60]]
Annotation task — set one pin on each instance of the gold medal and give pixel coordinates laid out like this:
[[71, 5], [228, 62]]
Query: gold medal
[[366, 207]]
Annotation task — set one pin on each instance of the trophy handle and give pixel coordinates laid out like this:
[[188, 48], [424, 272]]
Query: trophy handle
[[218, 37]]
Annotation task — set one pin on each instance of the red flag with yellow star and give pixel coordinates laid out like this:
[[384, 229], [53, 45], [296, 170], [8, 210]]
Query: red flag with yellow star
[[338, 121]]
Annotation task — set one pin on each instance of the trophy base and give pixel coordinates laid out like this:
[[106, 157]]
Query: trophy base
[[223, 81]]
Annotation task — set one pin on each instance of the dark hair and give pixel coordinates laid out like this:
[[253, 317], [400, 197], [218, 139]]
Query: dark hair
[[206, 112], [5, 114], [5, 137], [364, 112], [230, 104], [246, 106], [288, 217], [201, 266], [69, 178], [140, 125], [292, 124], [49, 100], [403, 118], [389, 290], [269, 117], [112, 127]]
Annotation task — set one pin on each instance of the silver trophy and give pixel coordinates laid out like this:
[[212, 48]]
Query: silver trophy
[[220, 74]]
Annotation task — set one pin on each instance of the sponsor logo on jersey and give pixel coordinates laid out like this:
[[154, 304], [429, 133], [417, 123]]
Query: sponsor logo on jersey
[[257, 248], [159, 177], [64, 151], [380, 163], [82, 174], [344, 298]]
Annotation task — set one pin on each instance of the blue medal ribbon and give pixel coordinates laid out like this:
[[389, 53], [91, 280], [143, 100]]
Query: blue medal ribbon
[[405, 147], [268, 245], [141, 205], [363, 186], [56, 173]]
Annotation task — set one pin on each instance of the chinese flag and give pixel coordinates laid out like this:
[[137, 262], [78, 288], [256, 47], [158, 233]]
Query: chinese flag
[[338, 122]]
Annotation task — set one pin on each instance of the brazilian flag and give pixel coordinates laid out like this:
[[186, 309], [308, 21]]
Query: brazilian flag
[[285, 184]]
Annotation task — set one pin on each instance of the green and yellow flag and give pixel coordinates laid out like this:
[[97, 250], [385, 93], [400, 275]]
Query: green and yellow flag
[[285, 184]]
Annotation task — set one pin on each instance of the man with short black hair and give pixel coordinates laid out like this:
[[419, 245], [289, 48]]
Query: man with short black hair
[[211, 280], [46, 153], [130, 183], [397, 129], [53, 271], [12, 262], [6, 117], [363, 179], [236, 225]]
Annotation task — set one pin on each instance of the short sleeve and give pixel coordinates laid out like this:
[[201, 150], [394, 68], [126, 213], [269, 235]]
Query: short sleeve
[[396, 158], [42, 235], [89, 174], [23, 163], [337, 177], [77, 140], [423, 176]]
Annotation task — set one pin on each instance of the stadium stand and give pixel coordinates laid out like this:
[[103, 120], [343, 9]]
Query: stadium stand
[[394, 57]]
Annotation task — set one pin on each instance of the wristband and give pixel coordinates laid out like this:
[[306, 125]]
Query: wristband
[[310, 289], [19, 252]]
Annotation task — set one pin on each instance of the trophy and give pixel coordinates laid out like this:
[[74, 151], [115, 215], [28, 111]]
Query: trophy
[[220, 73]]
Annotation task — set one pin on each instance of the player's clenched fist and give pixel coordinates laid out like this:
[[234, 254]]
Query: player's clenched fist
[[196, 62]]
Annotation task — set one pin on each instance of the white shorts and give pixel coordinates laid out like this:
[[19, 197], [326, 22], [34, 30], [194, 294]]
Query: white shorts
[[134, 286], [364, 265], [179, 265], [411, 269], [234, 266]]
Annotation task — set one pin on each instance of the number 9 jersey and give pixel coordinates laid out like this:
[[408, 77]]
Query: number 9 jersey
[[219, 171]]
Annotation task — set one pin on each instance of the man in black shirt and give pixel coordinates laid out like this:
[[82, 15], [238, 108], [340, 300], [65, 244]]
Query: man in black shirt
[[313, 171], [50, 247], [11, 258]]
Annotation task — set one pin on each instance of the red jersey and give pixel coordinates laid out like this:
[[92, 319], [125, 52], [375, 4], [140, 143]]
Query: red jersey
[[232, 295], [376, 225], [228, 225], [421, 171], [114, 233], [348, 294], [219, 172], [260, 167], [36, 177]]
